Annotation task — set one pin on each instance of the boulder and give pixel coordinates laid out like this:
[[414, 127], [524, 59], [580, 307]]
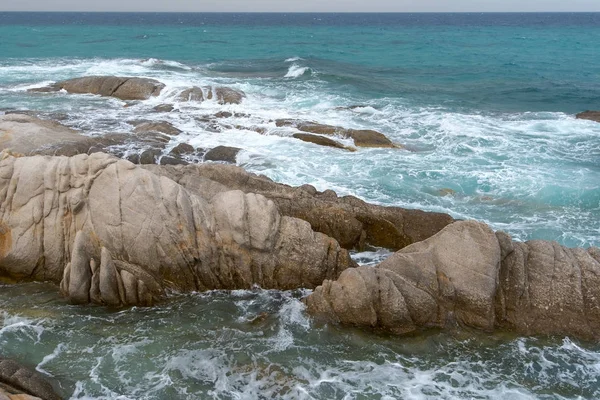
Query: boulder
[[222, 153], [26, 134], [159, 126], [362, 138], [591, 115], [469, 276], [351, 221], [116, 234], [321, 141], [124, 88], [21, 383]]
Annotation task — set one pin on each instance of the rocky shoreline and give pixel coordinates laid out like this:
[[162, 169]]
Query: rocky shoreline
[[114, 233]]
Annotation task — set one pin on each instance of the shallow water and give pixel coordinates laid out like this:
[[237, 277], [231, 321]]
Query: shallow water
[[259, 344], [485, 106]]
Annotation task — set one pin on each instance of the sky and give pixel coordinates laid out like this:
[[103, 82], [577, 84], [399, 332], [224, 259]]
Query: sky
[[302, 5]]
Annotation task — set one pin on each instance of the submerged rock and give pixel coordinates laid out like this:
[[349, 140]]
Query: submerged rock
[[115, 234], [469, 276], [163, 108], [124, 88], [591, 115], [362, 138]]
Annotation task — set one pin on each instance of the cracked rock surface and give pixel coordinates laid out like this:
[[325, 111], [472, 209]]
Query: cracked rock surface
[[469, 276], [116, 234]]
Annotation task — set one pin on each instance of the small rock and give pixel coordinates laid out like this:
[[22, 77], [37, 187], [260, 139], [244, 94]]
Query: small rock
[[182, 148], [192, 94], [161, 126], [225, 95], [321, 141], [149, 156], [166, 160], [133, 158], [222, 153], [223, 114]]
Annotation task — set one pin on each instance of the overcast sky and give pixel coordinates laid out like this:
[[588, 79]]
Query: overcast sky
[[301, 5]]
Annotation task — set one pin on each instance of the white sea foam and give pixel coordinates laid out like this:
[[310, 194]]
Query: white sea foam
[[293, 59], [296, 71]]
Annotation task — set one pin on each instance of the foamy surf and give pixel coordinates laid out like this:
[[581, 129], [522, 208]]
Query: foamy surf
[[250, 344], [296, 71]]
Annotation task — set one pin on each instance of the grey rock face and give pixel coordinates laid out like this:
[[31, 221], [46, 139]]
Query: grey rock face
[[116, 234], [468, 276]]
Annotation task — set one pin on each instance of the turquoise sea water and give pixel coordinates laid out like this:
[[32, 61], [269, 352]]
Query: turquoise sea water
[[484, 102]]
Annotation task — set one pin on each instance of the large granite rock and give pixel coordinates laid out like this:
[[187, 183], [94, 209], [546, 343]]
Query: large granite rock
[[362, 138], [468, 276], [351, 221], [20, 383], [116, 234], [124, 88], [591, 115], [26, 134]]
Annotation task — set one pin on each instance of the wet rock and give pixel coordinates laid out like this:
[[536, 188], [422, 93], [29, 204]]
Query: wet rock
[[166, 160], [117, 234], [123, 88], [446, 192], [163, 108], [182, 149], [591, 115], [223, 114], [225, 95], [149, 156], [222, 153], [321, 141], [161, 126], [23, 383], [133, 158], [362, 138], [192, 94]]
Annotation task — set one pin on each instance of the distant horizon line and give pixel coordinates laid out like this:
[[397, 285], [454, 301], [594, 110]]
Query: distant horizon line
[[302, 12]]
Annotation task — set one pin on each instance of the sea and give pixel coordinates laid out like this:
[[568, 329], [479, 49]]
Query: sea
[[484, 106]]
